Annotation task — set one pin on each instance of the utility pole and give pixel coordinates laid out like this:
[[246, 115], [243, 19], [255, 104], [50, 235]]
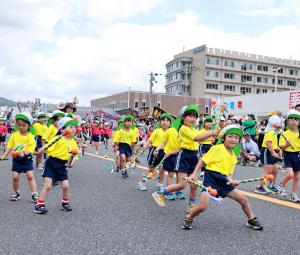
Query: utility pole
[[276, 69]]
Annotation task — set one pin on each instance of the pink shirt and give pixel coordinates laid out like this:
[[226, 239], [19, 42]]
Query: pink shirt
[[95, 130], [3, 129]]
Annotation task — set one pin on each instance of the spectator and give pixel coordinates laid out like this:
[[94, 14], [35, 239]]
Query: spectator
[[250, 151], [249, 126]]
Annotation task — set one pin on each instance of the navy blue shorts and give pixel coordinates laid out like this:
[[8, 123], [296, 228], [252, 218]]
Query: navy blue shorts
[[266, 158], [2, 138], [22, 165], [170, 163], [154, 161], [39, 143], [186, 161], [55, 168], [95, 138], [292, 160], [125, 149], [204, 148], [106, 136], [217, 181]]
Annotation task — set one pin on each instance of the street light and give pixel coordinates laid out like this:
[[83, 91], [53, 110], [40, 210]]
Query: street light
[[152, 81], [276, 69]]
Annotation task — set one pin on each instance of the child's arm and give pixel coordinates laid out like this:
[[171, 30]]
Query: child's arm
[[271, 150], [8, 150], [230, 179], [159, 148], [171, 153], [194, 175], [203, 137]]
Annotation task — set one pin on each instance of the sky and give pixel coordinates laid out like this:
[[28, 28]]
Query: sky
[[55, 50]]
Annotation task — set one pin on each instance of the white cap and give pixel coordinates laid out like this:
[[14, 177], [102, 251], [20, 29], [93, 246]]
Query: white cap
[[62, 122]]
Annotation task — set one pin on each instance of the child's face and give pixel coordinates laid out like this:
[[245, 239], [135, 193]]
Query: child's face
[[22, 126], [128, 123], [1, 122], [207, 124], [231, 140], [293, 123], [189, 120], [73, 130], [165, 123]]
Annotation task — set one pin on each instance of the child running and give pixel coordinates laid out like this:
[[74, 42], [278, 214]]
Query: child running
[[291, 153], [269, 155], [206, 145], [125, 144], [56, 165], [155, 155], [187, 157], [22, 145], [95, 138], [219, 164]]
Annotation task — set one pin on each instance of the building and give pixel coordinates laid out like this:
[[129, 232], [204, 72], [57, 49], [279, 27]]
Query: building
[[213, 73], [80, 110], [261, 105], [136, 99]]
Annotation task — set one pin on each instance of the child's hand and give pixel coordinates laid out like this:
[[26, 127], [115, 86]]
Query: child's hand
[[70, 164], [40, 151], [167, 155], [235, 182], [2, 157], [275, 155], [191, 178], [155, 152]]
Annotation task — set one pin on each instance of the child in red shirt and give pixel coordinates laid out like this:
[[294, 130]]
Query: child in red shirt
[[95, 136], [3, 132]]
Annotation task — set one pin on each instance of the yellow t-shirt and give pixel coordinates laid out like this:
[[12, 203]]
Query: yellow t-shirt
[[219, 159], [156, 137], [50, 133], [171, 139], [40, 129], [209, 140], [293, 139], [123, 136], [271, 137], [114, 136], [62, 148], [17, 139], [136, 133], [186, 138]]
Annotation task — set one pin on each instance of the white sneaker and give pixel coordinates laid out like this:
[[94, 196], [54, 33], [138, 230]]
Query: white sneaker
[[96, 152], [294, 198], [281, 191]]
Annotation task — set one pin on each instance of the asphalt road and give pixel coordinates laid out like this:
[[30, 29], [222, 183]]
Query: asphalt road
[[111, 216]]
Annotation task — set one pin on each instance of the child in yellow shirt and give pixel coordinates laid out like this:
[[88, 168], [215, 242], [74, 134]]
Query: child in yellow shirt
[[56, 165], [22, 145], [291, 153], [219, 164], [40, 128]]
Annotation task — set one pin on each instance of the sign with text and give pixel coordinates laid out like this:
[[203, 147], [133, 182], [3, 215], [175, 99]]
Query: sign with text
[[294, 99]]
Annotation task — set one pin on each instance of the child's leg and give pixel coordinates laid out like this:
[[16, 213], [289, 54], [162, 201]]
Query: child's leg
[[31, 181], [295, 182], [161, 176], [46, 188], [169, 178], [193, 192], [178, 186], [237, 196], [65, 190], [122, 161], [288, 177], [201, 207], [274, 172], [97, 146], [268, 169], [16, 181]]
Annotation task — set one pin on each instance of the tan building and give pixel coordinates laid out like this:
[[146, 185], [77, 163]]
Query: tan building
[[211, 73], [136, 99]]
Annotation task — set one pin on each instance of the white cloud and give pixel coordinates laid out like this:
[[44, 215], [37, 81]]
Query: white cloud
[[34, 62]]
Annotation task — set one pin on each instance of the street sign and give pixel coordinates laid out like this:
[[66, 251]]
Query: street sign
[[294, 99]]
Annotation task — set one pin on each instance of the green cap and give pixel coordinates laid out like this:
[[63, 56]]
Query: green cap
[[232, 129], [25, 117], [130, 117], [293, 114], [58, 113], [66, 122], [41, 115], [208, 118], [192, 107], [166, 115]]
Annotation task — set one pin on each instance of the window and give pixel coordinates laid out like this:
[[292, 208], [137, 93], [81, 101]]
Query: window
[[214, 74], [136, 104], [229, 88], [293, 72], [212, 86], [280, 69], [246, 66], [229, 63], [144, 103], [245, 78], [158, 104], [262, 68], [261, 91], [212, 61], [262, 79], [229, 76], [279, 81], [291, 83], [206, 109], [245, 90]]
